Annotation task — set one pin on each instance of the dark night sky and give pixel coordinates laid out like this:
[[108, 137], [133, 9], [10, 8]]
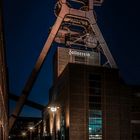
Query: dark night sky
[[27, 24]]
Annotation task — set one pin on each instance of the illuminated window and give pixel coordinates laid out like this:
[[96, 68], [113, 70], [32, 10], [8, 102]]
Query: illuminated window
[[95, 125], [95, 113]]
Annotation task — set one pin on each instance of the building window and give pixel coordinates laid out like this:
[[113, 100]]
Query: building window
[[79, 59], [95, 112], [95, 125]]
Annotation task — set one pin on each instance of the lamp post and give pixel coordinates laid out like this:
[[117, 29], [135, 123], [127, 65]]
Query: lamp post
[[23, 135], [31, 128], [53, 110]]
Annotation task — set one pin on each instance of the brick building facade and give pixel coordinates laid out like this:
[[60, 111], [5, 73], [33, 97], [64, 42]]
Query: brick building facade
[[91, 102]]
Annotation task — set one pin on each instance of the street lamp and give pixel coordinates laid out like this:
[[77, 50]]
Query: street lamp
[[53, 108], [53, 111], [31, 128]]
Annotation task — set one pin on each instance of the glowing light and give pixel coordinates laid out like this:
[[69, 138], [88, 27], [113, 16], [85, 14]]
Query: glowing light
[[53, 109], [51, 123], [67, 119], [58, 120], [23, 133], [31, 128], [90, 128]]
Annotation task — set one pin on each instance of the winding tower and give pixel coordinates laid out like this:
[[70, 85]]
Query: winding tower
[[78, 27], [75, 26]]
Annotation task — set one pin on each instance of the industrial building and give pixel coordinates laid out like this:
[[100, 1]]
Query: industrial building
[[3, 88], [90, 102], [88, 99]]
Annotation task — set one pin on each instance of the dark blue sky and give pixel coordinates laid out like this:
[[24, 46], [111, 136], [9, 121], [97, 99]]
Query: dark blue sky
[[27, 24]]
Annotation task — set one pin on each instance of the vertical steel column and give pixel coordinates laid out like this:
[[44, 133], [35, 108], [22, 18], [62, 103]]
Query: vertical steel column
[[102, 42]]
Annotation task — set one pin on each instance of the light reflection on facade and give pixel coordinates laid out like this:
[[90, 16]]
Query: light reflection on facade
[[95, 125]]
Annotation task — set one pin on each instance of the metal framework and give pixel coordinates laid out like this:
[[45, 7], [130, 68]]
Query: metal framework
[[27, 102], [73, 26]]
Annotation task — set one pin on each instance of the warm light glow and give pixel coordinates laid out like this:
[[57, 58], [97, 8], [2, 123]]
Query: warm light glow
[[58, 120], [31, 128], [53, 109], [53, 112], [23, 133], [67, 118], [51, 123]]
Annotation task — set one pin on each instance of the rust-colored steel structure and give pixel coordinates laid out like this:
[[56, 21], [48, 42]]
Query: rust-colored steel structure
[[28, 102], [87, 34]]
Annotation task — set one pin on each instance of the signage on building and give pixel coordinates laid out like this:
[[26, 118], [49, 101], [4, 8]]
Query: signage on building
[[78, 53], [69, 55]]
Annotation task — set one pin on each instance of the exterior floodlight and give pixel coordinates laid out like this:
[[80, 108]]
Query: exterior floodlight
[[53, 109]]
